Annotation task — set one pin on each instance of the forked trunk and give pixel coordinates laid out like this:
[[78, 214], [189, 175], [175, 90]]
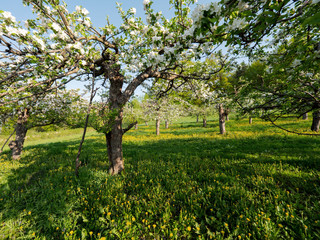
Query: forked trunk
[[222, 119], [16, 146], [315, 121], [204, 122], [305, 116], [158, 127], [250, 120], [167, 124]]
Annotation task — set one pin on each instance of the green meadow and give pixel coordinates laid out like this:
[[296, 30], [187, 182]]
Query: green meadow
[[255, 182]]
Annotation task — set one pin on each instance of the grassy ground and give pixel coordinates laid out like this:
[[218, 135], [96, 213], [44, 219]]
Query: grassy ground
[[256, 182]]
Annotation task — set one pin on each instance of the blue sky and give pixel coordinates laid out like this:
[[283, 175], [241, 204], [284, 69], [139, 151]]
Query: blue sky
[[98, 9]]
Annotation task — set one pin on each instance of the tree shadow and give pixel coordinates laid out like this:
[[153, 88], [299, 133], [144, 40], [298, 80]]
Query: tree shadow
[[45, 176]]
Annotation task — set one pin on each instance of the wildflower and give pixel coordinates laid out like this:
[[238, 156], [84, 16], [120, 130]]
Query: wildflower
[[109, 213], [71, 232], [280, 225], [90, 233], [189, 228], [57, 228], [226, 224], [29, 212], [171, 234], [103, 238], [133, 219], [154, 225]]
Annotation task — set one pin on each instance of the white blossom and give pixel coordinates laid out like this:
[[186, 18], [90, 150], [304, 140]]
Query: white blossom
[[40, 42], [8, 16], [295, 63], [238, 23], [133, 10], [56, 27]]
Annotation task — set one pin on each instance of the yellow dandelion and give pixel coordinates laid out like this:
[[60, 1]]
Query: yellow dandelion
[[280, 225], [189, 228], [109, 213], [71, 232], [57, 228], [226, 225], [103, 238], [171, 234], [90, 233], [29, 212], [133, 219], [154, 225]]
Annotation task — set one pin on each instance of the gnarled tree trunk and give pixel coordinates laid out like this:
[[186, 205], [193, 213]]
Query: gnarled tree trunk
[[222, 119], [114, 136], [16, 146], [315, 121]]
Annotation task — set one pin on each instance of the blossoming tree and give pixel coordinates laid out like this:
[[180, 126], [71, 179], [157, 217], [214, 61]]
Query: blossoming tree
[[53, 108], [59, 46]]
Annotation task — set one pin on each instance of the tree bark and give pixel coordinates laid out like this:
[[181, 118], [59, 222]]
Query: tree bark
[[197, 118], [315, 121], [167, 124], [16, 146], [250, 120], [227, 117], [136, 126], [222, 119], [204, 122], [115, 133], [146, 123], [305, 116], [158, 127]]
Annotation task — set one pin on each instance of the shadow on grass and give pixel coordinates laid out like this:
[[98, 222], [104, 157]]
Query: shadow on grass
[[44, 192]]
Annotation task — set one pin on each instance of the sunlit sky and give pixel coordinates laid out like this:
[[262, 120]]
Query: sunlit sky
[[98, 9]]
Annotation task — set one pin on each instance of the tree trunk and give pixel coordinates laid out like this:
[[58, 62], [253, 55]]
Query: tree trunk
[[16, 146], [136, 126], [204, 122], [158, 126], [250, 120], [146, 123], [197, 118], [227, 117], [222, 119], [167, 124], [114, 136], [315, 121], [305, 116]]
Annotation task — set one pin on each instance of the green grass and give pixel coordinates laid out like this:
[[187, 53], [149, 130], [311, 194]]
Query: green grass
[[256, 182]]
